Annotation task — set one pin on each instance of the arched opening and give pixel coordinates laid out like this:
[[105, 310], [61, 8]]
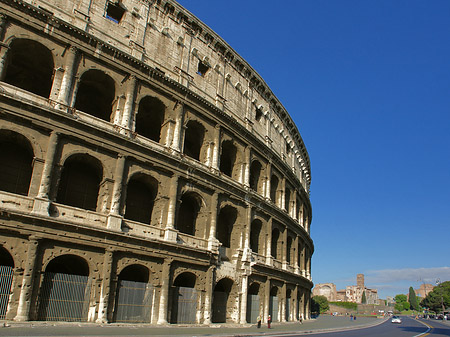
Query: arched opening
[[193, 139], [65, 290], [141, 194], [255, 174], [287, 200], [134, 295], [273, 304], [221, 305], [150, 118], [225, 221], [6, 278], [29, 66], [255, 232], [80, 182], [184, 299], [253, 303], [17, 163], [95, 94], [188, 213], [274, 243], [288, 305], [288, 249], [227, 158], [274, 189]]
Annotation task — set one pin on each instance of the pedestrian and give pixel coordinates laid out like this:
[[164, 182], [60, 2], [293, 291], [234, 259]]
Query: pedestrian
[[269, 320], [351, 317], [258, 319], [301, 318], [354, 318]]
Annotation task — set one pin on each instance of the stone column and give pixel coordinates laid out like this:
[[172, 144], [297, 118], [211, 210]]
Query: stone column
[[302, 260], [294, 205], [296, 262], [164, 295], [283, 195], [284, 248], [308, 305], [247, 164], [244, 294], [215, 159], [208, 294], [269, 258], [178, 134], [127, 117], [26, 290], [105, 287], [41, 202], [67, 80], [294, 296], [266, 299], [246, 256], [114, 221], [213, 243], [267, 184], [170, 234], [283, 303], [3, 47]]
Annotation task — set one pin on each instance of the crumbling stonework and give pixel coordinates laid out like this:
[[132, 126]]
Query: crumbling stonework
[[149, 174]]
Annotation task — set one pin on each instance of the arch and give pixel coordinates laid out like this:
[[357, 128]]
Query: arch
[[221, 299], [80, 182], [95, 94], [253, 303], [255, 232], [184, 299], [65, 290], [225, 221], [134, 295], [274, 243], [287, 200], [6, 278], [150, 118], [274, 304], [188, 212], [17, 162], [289, 249], [287, 313], [274, 181], [193, 139], [227, 157], [141, 193], [29, 66], [255, 174]]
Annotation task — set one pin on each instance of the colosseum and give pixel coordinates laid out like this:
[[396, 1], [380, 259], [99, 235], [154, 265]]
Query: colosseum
[[149, 174]]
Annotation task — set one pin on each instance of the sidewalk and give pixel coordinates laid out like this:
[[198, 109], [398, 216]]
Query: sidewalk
[[323, 323]]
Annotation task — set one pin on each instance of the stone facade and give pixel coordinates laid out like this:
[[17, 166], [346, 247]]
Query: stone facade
[[149, 174]]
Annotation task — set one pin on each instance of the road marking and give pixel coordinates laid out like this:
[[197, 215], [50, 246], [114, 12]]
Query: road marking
[[426, 333]]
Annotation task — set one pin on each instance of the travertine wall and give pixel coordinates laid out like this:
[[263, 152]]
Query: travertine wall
[[143, 149]]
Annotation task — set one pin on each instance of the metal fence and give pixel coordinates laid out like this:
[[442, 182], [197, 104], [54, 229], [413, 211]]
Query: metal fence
[[219, 310], [273, 308], [134, 302], [252, 308], [64, 297], [184, 308], [6, 277]]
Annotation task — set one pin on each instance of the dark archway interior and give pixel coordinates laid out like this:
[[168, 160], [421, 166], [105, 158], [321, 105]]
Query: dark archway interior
[[255, 173], [150, 118], [187, 214], [226, 219], [68, 264], [186, 280], [193, 139], [227, 158], [141, 194], [273, 188], [274, 247], [136, 273], [255, 232], [6, 258]]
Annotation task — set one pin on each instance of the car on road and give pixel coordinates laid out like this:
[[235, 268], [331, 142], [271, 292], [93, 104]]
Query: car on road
[[396, 319]]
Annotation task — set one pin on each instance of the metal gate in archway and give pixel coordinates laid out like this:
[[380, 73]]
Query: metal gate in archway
[[184, 305], [134, 302], [252, 308], [288, 309], [273, 308], [219, 310], [6, 277], [64, 297]]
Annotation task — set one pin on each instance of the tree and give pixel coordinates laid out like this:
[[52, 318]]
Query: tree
[[401, 302], [364, 299], [440, 296], [414, 303], [319, 304]]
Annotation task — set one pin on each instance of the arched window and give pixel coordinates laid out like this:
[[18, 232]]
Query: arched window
[[80, 181], [227, 217], [253, 303], [288, 249], [141, 193], [188, 212], [274, 244], [274, 189], [29, 65], [150, 118], [17, 163], [227, 158], [184, 299], [193, 139], [221, 300], [255, 174], [287, 200], [95, 94], [255, 232]]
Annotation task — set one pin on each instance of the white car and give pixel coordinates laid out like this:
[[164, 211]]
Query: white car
[[396, 319]]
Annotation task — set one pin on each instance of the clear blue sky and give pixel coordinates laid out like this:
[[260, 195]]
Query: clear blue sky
[[368, 85]]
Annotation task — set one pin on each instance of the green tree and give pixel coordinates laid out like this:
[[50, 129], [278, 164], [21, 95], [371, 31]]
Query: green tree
[[319, 304], [438, 297], [401, 302], [364, 299], [413, 302]]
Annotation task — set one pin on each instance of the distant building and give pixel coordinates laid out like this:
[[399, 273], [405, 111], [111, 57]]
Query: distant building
[[326, 289], [424, 290]]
